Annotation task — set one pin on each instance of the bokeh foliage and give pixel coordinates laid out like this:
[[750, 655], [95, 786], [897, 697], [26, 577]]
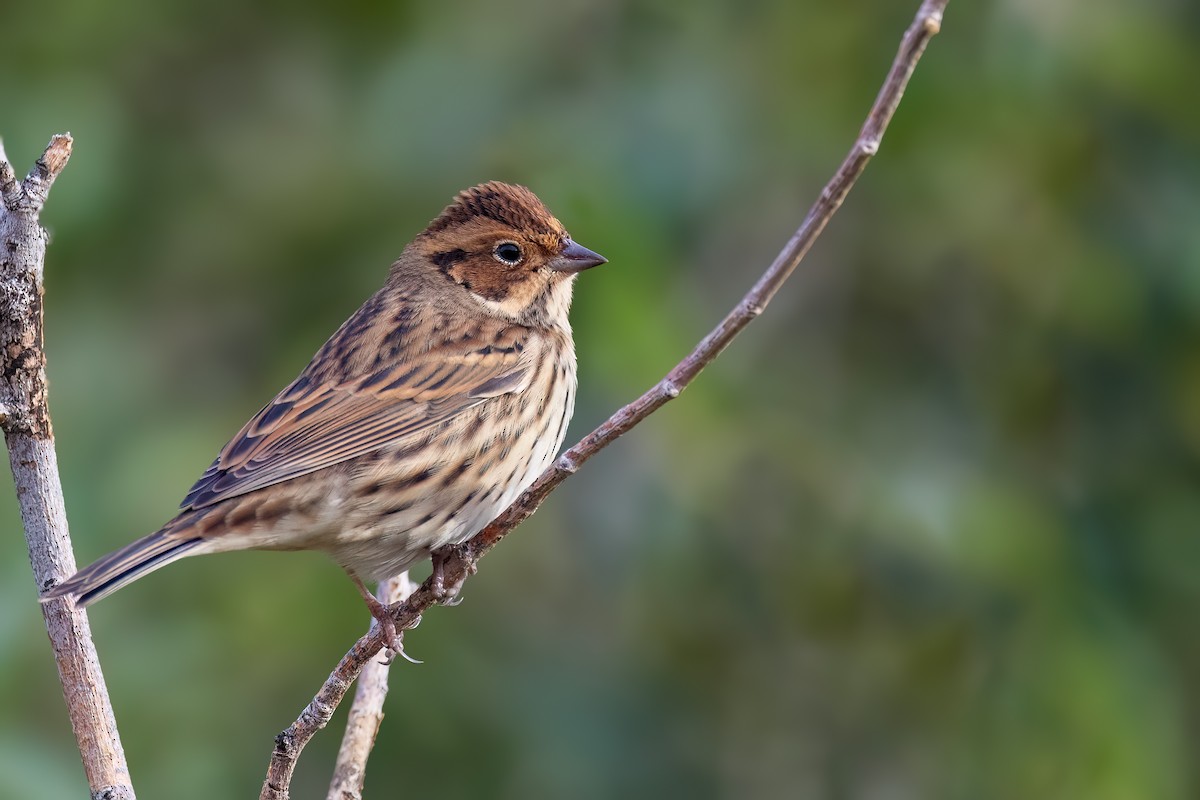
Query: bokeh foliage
[[928, 530]]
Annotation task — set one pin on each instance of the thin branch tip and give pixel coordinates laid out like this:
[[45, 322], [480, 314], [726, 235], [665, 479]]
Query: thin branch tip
[[57, 153]]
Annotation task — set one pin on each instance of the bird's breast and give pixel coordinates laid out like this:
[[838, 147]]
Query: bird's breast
[[408, 499]]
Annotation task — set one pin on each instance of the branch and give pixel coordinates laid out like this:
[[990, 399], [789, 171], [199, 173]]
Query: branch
[[25, 418], [316, 715], [366, 712], [461, 561]]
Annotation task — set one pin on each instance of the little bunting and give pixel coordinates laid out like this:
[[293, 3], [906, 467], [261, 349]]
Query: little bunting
[[420, 419]]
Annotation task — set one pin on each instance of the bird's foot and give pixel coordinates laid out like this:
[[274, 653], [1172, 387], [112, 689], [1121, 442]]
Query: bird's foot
[[447, 595], [392, 640]]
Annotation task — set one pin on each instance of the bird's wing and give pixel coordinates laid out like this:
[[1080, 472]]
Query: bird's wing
[[312, 425]]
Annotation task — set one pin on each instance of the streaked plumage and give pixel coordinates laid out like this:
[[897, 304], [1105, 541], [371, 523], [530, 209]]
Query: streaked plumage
[[420, 419]]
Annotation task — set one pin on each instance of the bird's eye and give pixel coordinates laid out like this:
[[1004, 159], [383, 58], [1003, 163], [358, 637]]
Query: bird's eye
[[508, 253]]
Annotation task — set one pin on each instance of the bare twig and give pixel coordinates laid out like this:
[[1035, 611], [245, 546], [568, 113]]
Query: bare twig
[[461, 562], [316, 715], [26, 424], [366, 712]]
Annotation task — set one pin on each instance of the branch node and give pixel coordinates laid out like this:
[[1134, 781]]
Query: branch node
[[670, 388], [566, 464], [868, 146], [113, 793]]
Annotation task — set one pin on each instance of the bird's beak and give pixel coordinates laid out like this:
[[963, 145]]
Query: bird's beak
[[575, 258]]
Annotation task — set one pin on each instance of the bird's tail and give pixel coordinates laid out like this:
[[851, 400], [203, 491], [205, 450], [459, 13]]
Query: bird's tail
[[124, 566]]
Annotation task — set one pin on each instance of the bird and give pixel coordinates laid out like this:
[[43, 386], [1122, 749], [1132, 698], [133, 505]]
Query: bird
[[420, 419]]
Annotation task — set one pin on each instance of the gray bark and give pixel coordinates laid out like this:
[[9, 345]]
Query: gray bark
[[25, 418]]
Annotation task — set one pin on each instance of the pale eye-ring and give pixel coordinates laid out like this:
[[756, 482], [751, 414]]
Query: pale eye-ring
[[508, 253]]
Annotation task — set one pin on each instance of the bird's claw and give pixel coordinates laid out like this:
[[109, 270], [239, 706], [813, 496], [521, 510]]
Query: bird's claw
[[390, 653], [448, 595], [393, 643]]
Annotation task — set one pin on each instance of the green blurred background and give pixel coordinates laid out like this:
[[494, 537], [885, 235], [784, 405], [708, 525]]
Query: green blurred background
[[928, 530]]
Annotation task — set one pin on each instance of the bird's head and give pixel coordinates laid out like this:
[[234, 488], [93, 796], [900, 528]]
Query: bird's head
[[498, 242]]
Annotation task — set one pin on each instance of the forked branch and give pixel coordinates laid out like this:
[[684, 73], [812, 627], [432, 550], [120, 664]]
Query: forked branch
[[462, 561], [25, 418]]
